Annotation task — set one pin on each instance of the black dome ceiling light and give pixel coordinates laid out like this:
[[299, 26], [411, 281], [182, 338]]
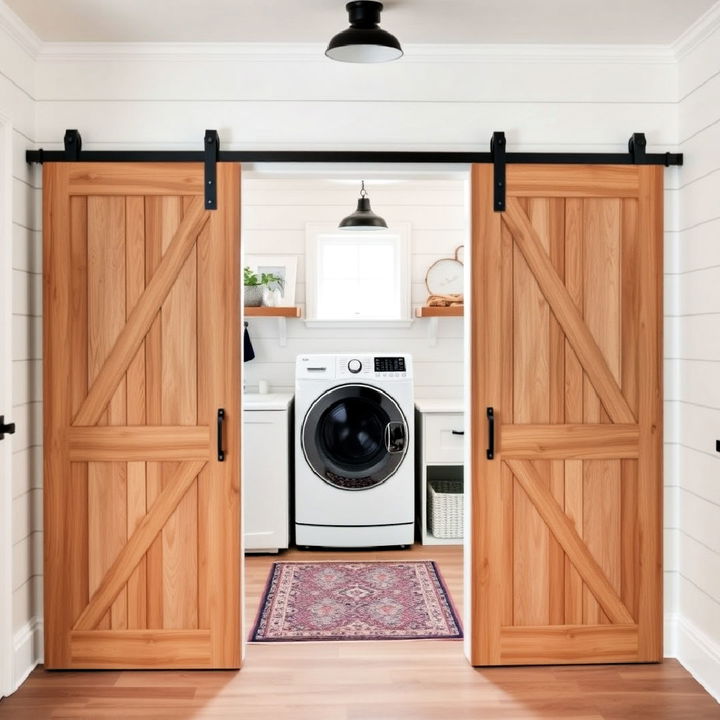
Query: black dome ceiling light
[[364, 41], [363, 218]]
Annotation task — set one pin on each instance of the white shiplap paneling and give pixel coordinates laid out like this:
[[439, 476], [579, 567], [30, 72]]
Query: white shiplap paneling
[[17, 73], [698, 309]]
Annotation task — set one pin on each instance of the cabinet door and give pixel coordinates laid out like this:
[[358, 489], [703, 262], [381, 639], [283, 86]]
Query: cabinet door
[[444, 438], [266, 479], [567, 340], [141, 349]]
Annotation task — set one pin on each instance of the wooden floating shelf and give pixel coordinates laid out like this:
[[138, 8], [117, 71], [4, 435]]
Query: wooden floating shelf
[[432, 311], [285, 311]]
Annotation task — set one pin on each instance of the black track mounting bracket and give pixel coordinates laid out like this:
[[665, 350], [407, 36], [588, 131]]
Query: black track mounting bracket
[[497, 151], [73, 145], [636, 147], [212, 148]]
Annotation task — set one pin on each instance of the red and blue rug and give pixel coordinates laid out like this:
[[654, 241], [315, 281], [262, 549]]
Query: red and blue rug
[[355, 601]]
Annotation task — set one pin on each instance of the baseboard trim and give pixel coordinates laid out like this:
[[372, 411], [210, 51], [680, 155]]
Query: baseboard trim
[[699, 654], [27, 650]]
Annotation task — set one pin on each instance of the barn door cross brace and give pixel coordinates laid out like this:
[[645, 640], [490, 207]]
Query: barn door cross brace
[[211, 155]]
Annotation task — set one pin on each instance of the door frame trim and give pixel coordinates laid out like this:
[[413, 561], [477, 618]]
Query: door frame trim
[[7, 651]]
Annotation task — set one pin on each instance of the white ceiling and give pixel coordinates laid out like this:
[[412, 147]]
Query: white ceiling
[[315, 21]]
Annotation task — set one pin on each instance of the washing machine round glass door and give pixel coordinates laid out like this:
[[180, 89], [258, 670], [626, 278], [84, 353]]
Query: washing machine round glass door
[[354, 437]]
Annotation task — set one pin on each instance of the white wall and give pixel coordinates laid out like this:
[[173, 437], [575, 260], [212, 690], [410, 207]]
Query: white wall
[[17, 88], [697, 288], [262, 96], [275, 212]]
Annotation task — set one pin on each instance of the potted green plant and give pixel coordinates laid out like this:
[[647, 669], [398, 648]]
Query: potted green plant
[[255, 283]]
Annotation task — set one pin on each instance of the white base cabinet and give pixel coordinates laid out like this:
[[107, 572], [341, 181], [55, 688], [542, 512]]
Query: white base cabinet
[[266, 471]]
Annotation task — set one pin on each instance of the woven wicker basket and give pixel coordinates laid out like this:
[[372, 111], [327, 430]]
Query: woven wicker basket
[[445, 508]]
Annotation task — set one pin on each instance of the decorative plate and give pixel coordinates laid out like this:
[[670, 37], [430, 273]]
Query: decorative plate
[[445, 276]]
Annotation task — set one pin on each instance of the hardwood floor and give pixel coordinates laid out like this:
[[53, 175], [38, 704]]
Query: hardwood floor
[[423, 680]]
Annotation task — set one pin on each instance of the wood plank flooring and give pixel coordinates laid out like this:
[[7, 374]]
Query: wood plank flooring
[[422, 680]]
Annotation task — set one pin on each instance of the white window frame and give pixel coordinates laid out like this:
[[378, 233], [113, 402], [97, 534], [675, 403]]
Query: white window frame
[[312, 230]]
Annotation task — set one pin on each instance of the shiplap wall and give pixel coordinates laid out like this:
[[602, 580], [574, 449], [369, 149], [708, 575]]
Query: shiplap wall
[[545, 98], [134, 96], [275, 213], [697, 288], [17, 72]]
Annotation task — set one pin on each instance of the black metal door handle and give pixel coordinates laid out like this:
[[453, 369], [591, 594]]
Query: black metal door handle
[[220, 421], [491, 433], [6, 428], [457, 432]]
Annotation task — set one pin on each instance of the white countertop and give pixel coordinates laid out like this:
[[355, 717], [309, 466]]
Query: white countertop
[[440, 405], [266, 401]]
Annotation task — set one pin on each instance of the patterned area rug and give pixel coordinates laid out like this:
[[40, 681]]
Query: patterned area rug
[[355, 601]]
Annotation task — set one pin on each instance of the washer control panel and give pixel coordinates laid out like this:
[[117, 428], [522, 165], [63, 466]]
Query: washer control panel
[[395, 367], [390, 364]]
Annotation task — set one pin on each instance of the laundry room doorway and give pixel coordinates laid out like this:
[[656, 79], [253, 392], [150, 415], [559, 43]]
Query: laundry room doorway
[[358, 383]]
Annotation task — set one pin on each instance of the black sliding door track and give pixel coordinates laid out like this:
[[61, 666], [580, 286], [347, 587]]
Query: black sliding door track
[[212, 154]]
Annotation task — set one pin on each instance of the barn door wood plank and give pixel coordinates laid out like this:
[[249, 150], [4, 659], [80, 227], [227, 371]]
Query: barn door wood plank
[[138, 544], [650, 398], [567, 313], [138, 324], [564, 531], [135, 378], [486, 374]]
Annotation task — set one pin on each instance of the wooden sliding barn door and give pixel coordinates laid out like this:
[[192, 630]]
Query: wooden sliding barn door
[[566, 349], [141, 349]]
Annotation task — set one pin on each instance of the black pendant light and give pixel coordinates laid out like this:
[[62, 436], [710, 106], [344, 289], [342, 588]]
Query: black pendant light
[[364, 41], [363, 218]]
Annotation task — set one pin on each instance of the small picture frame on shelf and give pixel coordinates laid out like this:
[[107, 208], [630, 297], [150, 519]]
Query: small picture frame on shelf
[[282, 266]]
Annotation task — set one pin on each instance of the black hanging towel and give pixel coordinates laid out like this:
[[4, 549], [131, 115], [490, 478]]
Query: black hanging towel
[[248, 351]]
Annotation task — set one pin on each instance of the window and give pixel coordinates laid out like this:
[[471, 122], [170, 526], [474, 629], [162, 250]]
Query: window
[[358, 275]]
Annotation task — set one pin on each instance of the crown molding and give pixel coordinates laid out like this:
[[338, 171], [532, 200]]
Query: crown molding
[[19, 32], [25, 37], [698, 32], [314, 53]]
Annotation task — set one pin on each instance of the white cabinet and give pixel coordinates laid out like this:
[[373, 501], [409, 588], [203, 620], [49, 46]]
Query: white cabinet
[[440, 448], [266, 471]]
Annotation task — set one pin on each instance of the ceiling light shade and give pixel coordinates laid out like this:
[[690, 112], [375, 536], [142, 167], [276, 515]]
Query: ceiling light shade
[[364, 41], [363, 218]]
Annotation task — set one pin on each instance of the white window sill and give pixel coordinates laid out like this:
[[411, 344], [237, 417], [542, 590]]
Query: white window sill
[[358, 323]]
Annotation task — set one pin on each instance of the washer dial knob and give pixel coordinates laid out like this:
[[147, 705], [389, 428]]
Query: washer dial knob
[[354, 366]]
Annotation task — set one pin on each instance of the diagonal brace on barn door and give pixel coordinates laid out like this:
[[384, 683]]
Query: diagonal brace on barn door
[[142, 315], [567, 314], [562, 527], [138, 544]]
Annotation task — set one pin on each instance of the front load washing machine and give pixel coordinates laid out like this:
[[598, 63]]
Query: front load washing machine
[[354, 469]]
